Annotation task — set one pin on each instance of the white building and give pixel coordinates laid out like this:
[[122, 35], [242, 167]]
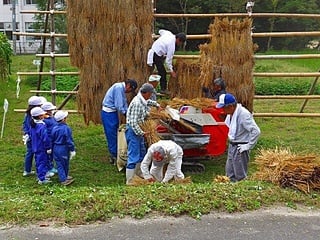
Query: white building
[[24, 23]]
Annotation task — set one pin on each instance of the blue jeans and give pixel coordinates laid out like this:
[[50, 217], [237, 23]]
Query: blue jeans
[[110, 121], [136, 148]]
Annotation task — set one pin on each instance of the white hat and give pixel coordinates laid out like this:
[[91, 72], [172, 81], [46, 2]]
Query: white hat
[[48, 106], [43, 99], [37, 111], [60, 115], [154, 78], [34, 101]]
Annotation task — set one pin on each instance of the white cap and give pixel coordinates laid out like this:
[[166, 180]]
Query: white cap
[[48, 106], [37, 111], [60, 115], [154, 78], [34, 101]]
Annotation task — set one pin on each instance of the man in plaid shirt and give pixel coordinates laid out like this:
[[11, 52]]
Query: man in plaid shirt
[[138, 110]]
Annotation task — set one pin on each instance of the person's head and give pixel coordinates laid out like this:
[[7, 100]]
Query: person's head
[[130, 85], [228, 102], [35, 101], [146, 90], [219, 84], [180, 38], [48, 107], [158, 155], [37, 113], [154, 80], [60, 115]]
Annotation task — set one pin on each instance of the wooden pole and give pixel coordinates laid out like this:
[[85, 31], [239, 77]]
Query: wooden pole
[[287, 97], [260, 57], [286, 114], [268, 74], [41, 34], [42, 12], [311, 91], [47, 73], [253, 15]]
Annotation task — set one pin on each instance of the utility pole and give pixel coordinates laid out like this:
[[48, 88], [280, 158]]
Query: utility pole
[[14, 37]]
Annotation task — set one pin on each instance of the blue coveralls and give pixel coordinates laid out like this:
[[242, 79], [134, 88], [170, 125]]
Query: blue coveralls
[[50, 123], [40, 144], [63, 144], [29, 153], [114, 102]]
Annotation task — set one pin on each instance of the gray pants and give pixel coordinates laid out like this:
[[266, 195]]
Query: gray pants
[[237, 164]]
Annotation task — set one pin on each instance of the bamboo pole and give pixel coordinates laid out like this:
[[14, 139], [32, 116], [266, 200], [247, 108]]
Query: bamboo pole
[[46, 73], [268, 74], [311, 91], [286, 114], [54, 92], [253, 15], [261, 57], [41, 34], [42, 12], [53, 55], [287, 97]]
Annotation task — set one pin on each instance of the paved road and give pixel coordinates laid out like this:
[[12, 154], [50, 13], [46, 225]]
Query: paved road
[[270, 224]]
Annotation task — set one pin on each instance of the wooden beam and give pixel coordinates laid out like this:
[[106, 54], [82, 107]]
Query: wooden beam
[[269, 74], [53, 55], [40, 34], [47, 73], [54, 92], [287, 97], [286, 114], [261, 57], [42, 12]]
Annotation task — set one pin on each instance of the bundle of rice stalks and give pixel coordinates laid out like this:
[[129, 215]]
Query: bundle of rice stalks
[[221, 179], [286, 169], [108, 42], [186, 180], [150, 126], [138, 181], [230, 55], [199, 103], [155, 114], [186, 85]]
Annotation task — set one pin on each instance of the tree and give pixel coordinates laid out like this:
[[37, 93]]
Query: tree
[[5, 57]]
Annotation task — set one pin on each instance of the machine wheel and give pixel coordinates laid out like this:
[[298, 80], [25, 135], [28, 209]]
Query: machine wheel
[[192, 167]]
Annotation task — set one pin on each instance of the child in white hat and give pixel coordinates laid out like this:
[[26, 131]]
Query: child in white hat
[[63, 147]]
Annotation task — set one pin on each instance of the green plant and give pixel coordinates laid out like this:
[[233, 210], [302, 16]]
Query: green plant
[[5, 57]]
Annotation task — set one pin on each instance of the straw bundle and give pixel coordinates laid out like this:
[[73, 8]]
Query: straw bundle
[[108, 42], [150, 126], [282, 167], [221, 179], [186, 85], [199, 103], [230, 55]]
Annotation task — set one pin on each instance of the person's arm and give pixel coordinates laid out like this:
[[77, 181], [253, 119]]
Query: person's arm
[[145, 164], [170, 53]]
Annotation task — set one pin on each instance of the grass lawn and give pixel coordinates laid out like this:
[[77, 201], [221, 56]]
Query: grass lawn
[[99, 192]]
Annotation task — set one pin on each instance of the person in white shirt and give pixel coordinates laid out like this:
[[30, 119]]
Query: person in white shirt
[[163, 49], [161, 153]]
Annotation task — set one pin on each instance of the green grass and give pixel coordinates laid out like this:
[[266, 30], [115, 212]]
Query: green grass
[[99, 192]]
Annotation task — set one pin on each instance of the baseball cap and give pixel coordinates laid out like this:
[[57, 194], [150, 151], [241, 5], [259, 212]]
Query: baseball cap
[[133, 84], [37, 111], [146, 87], [60, 115], [225, 99]]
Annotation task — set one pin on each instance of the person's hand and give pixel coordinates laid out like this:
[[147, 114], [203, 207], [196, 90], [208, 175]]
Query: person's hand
[[25, 138], [145, 134], [173, 74], [49, 151], [151, 179], [72, 154], [243, 147]]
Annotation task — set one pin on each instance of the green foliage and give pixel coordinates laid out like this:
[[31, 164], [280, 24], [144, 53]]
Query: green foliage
[[5, 57]]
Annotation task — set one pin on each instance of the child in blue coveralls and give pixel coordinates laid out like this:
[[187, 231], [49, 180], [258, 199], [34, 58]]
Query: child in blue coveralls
[[33, 101], [41, 144], [50, 122], [63, 147]]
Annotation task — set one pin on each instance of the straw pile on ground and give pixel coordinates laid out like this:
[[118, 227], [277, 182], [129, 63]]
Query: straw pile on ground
[[230, 55], [108, 42], [286, 169]]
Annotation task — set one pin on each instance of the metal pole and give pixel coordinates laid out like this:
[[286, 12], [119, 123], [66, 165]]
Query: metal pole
[[14, 37]]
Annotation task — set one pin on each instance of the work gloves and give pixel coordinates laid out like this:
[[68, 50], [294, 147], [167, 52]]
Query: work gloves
[[49, 151], [72, 154], [243, 147], [25, 138]]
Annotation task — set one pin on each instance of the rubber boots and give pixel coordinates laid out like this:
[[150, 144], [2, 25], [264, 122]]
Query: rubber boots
[[129, 175]]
